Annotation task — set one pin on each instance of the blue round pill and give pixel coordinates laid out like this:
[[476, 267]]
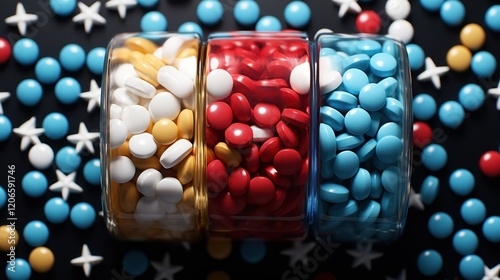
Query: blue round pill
[[429, 189], [56, 125], [67, 90], [25, 51], [29, 92], [389, 47], [190, 27], [372, 97], [344, 209], [268, 23], [36, 233], [354, 80], [491, 229], [253, 250], [465, 242], [95, 60], [416, 56], [462, 182], [471, 267], [82, 215], [492, 18], [390, 86], [389, 129], [359, 61], [47, 70], [452, 12], [148, 4], [368, 46], [471, 96], [434, 157], [19, 270], [5, 128], [332, 117], [326, 169], [389, 149], [34, 184], [342, 100], [431, 5], [92, 171], [56, 210], [383, 65], [67, 159], [451, 114], [357, 121], [368, 212], [246, 12], [3, 197], [374, 124], [347, 141], [346, 164], [429, 262], [327, 142], [72, 57], [424, 107], [209, 12], [333, 193], [135, 262], [393, 109], [440, 225], [388, 205], [366, 151], [153, 21], [483, 64], [390, 179], [377, 189], [297, 14], [361, 184], [62, 8]]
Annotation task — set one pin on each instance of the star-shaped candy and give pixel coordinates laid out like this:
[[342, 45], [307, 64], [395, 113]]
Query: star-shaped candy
[[93, 96], [28, 133], [433, 73], [83, 138], [164, 269], [492, 274], [3, 96], [299, 252], [415, 200], [363, 255], [89, 15], [347, 6], [496, 93], [65, 184], [121, 6], [21, 19], [86, 260]]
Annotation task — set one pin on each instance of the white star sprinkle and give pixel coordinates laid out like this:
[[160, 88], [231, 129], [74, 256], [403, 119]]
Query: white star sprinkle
[[65, 184], [121, 6], [93, 96], [86, 260], [89, 15], [415, 200], [364, 255], [3, 96], [83, 138], [28, 133], [401, 276], [496, 93], [21, 19], [298, 252], [432, 72], [347, 6], [165, 270], [491, 274]]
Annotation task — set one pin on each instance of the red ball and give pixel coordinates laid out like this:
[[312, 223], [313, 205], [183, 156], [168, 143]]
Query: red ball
[[5, 50], [368, 22], [490, 163], [422, 134]]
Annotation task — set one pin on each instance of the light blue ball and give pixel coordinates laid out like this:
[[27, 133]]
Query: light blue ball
[[429, 189], [462, 182], [36, 233], [67, 159], [357, 121], [465, 242], [434, 157], [424, 107], [492, 18], [56, 126], [29, 92], [3, 197], [47, 70], [56, 210], [431, 5], [268, 23], [135, 262], [67, 90], [246, 12], [63, 8], [26, 51], [346, 164], [429, 262], [471, 96], [5, 128], [191, 27], [209, 12], [148, 4], [451, 114], [483, 64], [34, 184], [72, 57], [440, 225], [82, 215], [153, 21], [452, 12], [253, 251], [333, 193], [95, 60], [20, 271], [354, 80], [491, 229], [297, 14], [471, 267], [92, 171], [416, 56]]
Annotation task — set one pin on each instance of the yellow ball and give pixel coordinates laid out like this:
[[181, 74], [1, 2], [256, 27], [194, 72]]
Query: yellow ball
[[165, 131], [472, 36], [41, 259], [458, 58], [8, 238]]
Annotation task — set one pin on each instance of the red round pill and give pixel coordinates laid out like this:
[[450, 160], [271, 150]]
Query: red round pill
[[303, 147], [217, 176], [261, 191], [242, 54], [490, 163], [243, 84], [287, 134], [368, 22], [277, 202], [279, 69], [422, 134], [239, 180], [295, 117], [219, 115], [303, 175], [277, 178], [5, 50], [289, 98], [212, 136], [251, 158], [241, 107], [297, 49], [238, 135], [269, 149], [266, 115], [250, 68], [288, 161], [232, 204]]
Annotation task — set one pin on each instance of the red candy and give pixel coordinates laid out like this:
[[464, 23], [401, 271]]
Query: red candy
[[241, 107], [217, 176], [232, 204], [279, 179], [266, 115], [261, 191], [239, 181], [368, 22], [295, 117], [269, 149], [288, 161], [238, 135], [422, 134], [243, 84], [5, 50], [212, 136], [490, 164], [289, 98], [287, 134], [251, 158], [279, 69], [219, 115]]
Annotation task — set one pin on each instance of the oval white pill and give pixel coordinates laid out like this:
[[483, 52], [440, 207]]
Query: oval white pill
[[164, 105], [41, 156], [300, 78], [149, 208], [176, 153], [169, 190], [175, 81], [188, 66], [136, 118], [188, 102], [115, 111], [158, 53], [122, 97], [170, 208], [171, 48], [329, 80], [147, 181], [122, 73], [121, 169], [118, 133], [261, 134], [219, 83], [142, 145], [140, 87]]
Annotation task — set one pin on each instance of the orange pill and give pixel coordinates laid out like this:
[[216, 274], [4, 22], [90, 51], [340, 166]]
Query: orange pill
[[459, 58], [8, 238], [41, 259], [472, 36], [165, 132]]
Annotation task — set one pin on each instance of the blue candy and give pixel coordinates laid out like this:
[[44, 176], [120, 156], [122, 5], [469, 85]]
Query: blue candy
[[483, 64], [26, 51], [36, 233], [333, 193], [191, 27], [390, 86], [390, 179], [368, 47], [383, 65], [374, 124], [347, 141], [327, 142], [209, 12], [268, 23], [342, 100], [368, 212], [462, 182], [67, 159], [20, 271], [56, 210], [297, 14], [451, 114], [361, 184], [253, 250], [372, 97], [424, 107], [3, 197], [431, 5], [429, 262], [393, 109], [357, 121], [327, 169], [135, 262], [377, 189], [34, 184], [56, 126], [344, 209], [72, 57], [29, 92], [246, 12], [67, 90], [82, 215], [5, 128], [465, 242], [95, 60], [366, 151], [153, 21], [471, 267], [358, 61], [332, 117], [62, 8], [389, 149], [388, 205], [429, 189], [491, 229], [434, 157], [346, 164], [148, 3], [492, 18], [471, 96], [416, 56], [389, 129], [92, 171], [389, 47], [47, 70], [440, 225], [354, 80], [452, 12]]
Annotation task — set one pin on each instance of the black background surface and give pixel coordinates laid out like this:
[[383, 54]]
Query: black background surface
[[479, 132]]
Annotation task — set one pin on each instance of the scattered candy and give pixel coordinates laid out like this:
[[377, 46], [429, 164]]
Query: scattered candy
[[41, 259], [252, 251], [297, 14], [422, 134], [492, 18], [67, 159], [452, 12], [26, 51], [93, 96], [471, 96], [62, 8], [5, 50], [268, 23], [458, 58], [473, 211], [47, 70], [451, 114], [5, 128], [36, 233], [433, 73], [401, 29], [56, 125], [89, 15], [490, 163], [41, 156], [83, 139], [429, 262], [34, 184], [82, 215], [431, 5], [209, 12], [8, 237], [21, 19], [148, 4], [246, 12], [465, 242], [472, 36], [398, 9], [483, 64], [56, 210], [72, 57], [429, 189], [434, 157], [22, 270], [121, 6], [29, 92], [28, 133], [3, 198], [191, 27], [86, 260], [65, 184], [153, 21], [135, 262], [92, 171], [368, 22], [491, 229], [440, 225], [496, 93], [347, 6], [471, 267]]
